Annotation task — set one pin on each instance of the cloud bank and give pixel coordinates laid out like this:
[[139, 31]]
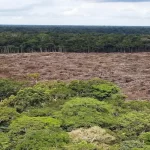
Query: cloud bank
[[75, 12], [123, 1]]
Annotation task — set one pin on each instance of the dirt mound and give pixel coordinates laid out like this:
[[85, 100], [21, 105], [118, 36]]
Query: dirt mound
[[130, 71]]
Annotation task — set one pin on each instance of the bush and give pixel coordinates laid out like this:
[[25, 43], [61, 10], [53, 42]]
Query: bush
[[96, 88], [4, 141], [132, 124], [104, 91], [38, 97], [29, 97], [39, 112], [129, 145], [6, 116], [43, 140], [59, 93], [56, 93], [24, 123], [83, 145], [137, 105], [36, 131], [37, 118], [9, 87], [95, 135], [145, 137], [86, 112]]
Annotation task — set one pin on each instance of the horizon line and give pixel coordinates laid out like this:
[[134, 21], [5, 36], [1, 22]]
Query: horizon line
[[75, 25]]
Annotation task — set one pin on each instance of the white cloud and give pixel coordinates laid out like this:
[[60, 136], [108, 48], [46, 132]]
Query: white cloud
[[74, 12]]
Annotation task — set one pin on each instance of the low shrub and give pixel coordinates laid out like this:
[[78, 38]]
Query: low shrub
[[137, 105], [145, 137], [86, 112], [131, 124], [7, 114], [4, 141], [95, 88], [81, 146], [9, 87], [131, 145], [49, 94], [43, 140], [94, 134], [35, 132]]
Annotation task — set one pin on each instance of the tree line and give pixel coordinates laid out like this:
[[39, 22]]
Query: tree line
[[26, 39]]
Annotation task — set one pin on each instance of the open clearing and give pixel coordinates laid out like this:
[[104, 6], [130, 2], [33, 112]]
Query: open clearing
[[129, 71]]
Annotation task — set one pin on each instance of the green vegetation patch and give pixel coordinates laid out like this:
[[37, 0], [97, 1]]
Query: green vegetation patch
[[86, 112], [76, 115], [42, 95], [9, 87], [7, 114]]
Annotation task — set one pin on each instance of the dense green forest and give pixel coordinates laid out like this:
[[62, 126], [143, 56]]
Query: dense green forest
[[25, 39], [75, 115]]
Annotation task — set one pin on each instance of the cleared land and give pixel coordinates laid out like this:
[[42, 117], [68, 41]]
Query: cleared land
[[130, 71]]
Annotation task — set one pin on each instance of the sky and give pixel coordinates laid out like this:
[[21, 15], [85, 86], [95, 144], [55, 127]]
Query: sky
[[75, 12]]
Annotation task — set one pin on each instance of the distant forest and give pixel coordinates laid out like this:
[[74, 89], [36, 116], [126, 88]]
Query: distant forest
[[81, 39]]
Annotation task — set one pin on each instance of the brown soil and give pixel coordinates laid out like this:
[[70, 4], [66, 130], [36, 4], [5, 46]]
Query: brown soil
[[130, 71]]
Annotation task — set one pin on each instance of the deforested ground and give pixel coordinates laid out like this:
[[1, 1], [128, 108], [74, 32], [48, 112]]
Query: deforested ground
[[129, 71]]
